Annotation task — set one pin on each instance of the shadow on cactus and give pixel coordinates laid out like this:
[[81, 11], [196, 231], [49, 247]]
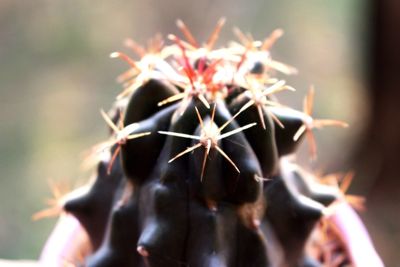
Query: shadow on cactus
[[195, 171]]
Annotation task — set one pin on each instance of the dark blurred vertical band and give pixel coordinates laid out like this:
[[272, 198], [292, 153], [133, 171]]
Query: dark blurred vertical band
[[378, 157]]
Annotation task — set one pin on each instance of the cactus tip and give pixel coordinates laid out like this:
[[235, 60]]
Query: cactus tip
[[143, 251]]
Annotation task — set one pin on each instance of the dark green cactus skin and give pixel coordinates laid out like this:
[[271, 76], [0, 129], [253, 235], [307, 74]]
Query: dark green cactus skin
[[173, 217], [93, 209], [289, 216]]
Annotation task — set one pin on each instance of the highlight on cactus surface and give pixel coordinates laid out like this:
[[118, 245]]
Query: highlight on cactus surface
[[199, 170]]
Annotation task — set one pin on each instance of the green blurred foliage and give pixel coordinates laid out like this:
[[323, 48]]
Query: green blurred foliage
[[55, 75]]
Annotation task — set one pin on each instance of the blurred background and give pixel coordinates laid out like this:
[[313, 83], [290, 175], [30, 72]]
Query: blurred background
[[55, 75]]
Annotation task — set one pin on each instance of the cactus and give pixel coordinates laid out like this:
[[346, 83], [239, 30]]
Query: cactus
[[196, 173]]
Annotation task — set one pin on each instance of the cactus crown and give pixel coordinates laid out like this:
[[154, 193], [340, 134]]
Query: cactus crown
[[199, 180]]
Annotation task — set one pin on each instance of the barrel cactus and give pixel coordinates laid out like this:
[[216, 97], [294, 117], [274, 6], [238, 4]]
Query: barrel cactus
[[195, 171]]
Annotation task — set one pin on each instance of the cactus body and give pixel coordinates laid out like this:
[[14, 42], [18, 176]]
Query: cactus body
[[197, 175]]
